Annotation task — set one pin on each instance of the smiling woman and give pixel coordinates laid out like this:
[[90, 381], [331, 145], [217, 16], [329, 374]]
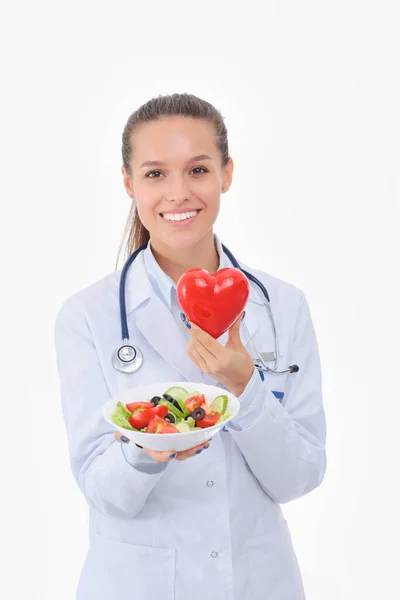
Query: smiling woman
[[176, 164], [178, 524]]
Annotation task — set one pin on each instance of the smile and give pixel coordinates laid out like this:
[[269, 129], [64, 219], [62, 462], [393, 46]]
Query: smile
[[183, 216]]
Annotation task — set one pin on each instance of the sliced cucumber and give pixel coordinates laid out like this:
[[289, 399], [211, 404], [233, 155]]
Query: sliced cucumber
[[123, 410], [179, 393], [183, 427], [220, 404], [172, 409]]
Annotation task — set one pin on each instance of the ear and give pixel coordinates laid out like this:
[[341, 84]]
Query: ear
[[127, 183], [227, 174]]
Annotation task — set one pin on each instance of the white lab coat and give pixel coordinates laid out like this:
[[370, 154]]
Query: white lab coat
[[211, 526]]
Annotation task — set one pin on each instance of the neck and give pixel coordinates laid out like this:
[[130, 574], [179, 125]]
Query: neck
[[176, 261]]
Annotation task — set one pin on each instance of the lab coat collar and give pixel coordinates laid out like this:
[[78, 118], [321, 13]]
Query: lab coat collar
[[165, 285]]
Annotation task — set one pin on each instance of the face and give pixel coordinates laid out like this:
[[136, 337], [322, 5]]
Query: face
[[177, 179]]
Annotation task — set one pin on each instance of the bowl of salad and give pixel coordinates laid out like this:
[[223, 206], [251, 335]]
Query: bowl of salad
[[171, 416]]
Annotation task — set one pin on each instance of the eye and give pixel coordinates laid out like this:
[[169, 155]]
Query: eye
[[151, 173], [200, 168]]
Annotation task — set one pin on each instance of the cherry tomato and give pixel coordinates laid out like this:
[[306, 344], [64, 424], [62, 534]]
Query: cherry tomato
[[209, 420], [158, 425], [195, 402], [134, 405]]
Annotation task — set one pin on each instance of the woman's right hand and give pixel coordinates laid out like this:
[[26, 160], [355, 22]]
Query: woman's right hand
[[161, 457]]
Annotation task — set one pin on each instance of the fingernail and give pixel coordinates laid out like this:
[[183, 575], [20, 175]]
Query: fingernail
[[243, 315], [198, 451], [124, 439], [205, 447], [173, 455], [183, 317], [188, 325]]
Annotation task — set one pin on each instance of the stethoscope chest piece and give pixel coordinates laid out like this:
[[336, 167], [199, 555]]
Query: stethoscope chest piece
[[127, 359]]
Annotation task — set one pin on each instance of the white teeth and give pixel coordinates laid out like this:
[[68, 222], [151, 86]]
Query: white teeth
[[179, 216]]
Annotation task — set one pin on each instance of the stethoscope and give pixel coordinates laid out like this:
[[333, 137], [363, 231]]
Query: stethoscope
[[128, 358]]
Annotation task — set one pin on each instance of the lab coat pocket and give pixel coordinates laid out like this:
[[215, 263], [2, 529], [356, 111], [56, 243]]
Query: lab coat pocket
[[273, 567], [115, 569]]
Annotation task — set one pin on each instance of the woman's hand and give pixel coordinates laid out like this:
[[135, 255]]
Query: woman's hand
[[231, 364], [161, 457]]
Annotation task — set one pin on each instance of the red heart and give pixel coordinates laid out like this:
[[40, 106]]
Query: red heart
[[213, 301]]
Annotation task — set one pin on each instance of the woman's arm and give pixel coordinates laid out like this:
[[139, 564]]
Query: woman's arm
[[284, 444], [116, 479]]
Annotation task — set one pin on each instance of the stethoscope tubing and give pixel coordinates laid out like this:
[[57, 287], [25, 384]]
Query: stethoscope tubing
[[250, 277]]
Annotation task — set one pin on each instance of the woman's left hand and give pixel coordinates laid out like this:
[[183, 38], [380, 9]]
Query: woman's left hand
[[230, 365]]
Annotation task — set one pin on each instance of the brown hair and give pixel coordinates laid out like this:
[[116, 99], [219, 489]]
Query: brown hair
[[183, 105]]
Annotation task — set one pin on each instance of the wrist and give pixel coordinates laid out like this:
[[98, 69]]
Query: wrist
[[238, 389]]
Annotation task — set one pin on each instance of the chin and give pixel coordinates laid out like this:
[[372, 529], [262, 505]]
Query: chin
[[181, 240]]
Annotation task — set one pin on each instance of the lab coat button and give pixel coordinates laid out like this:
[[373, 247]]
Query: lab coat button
[[214, 554], [210, 483]]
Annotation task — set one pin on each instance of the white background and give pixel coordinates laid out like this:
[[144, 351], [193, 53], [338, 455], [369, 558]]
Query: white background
[[310, 93]]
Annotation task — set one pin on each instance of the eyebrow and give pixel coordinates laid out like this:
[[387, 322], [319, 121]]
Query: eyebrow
[[158, 163]]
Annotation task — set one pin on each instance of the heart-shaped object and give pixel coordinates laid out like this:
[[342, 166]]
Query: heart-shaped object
[[213, 301]]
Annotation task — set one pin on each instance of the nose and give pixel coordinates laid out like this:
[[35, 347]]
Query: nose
[[178, 190]]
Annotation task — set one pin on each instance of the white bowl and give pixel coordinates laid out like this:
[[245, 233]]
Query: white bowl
[[170, 441]]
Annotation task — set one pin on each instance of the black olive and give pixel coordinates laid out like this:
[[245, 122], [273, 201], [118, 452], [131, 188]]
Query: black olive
[[155, 400], [170, 418], [173, 401], [168, 397], [177, 405], [198, 414]]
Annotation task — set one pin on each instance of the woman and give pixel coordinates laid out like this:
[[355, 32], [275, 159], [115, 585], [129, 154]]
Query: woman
[[194, 524]]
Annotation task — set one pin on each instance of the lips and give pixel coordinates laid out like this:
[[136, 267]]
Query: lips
[[179, 212]]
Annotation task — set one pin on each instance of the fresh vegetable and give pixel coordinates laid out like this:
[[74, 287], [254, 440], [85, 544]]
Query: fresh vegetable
[[194, 402], [220, 404], [170, 418], [172, 401], [176, 411], [123, 410], [121, 415], [171, 408], [142, 416], [134, 405], [159, 425], [209, 420], [198, 414], [180, 395], [155, 400]]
